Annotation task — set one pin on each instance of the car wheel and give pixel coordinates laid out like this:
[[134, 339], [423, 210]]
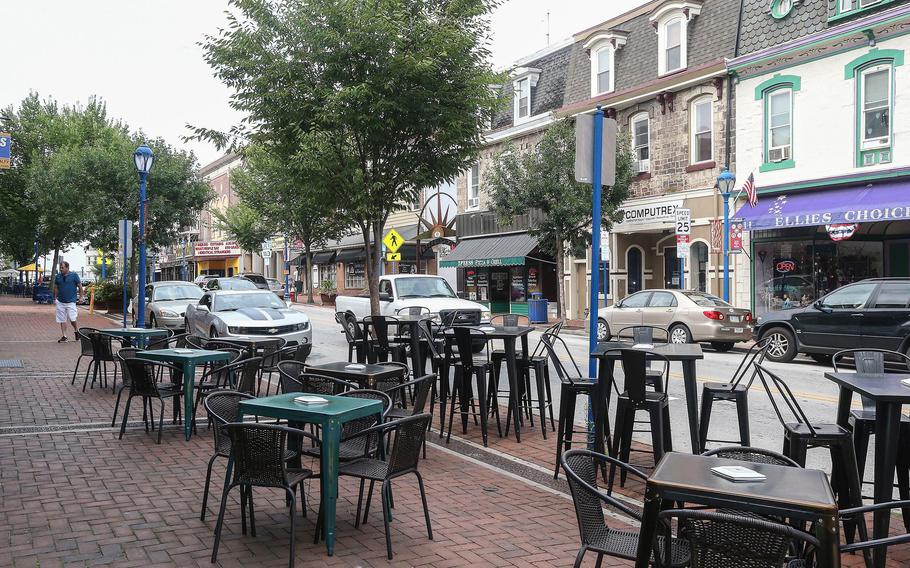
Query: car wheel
[[722, 346], [152, 322], [213, 333], [680, 334], [781, 344], [603, 330]]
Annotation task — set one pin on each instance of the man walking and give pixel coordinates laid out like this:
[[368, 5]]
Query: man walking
[[66, 286]]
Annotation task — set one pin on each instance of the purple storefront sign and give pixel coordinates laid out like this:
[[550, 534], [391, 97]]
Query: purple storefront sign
[[857, 204]]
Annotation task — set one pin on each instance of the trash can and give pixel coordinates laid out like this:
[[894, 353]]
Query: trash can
[[537, 308]]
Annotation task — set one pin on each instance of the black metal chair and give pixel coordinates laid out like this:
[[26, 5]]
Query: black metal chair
[[407, 437], [143, 383], [634, 398], [271, 355], [800, 434], [571, 387], [353, 334], [258, 459], [467, 367], [734, 391], [176, 341], [195, 341], [294, 377], [102, 354], [86, 350], [221, 407], [430, 337], [581, 467], [220, 377], [715, 539], [353, 445], [644, 334], [380, 348]]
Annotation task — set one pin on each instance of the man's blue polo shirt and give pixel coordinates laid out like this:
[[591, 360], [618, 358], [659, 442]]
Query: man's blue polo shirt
[[67, 287]]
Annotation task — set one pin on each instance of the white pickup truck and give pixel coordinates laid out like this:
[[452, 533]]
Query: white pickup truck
[[416, 290]]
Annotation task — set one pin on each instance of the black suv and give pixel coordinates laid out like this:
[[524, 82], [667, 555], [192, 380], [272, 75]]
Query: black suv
[[869, 313]]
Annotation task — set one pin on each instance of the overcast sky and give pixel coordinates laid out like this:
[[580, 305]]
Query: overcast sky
[[144, 61]]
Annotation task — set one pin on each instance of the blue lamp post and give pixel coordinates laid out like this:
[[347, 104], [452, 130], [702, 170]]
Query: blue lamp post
[[144, 159], [725, 183]]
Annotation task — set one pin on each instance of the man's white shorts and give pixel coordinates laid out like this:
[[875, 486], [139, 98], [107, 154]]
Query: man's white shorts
[[65, 312]]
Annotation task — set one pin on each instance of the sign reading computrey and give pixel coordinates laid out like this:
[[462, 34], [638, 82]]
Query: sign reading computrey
[[663, 212]]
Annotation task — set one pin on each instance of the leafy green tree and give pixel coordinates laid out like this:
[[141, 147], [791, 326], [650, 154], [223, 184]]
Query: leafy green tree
[[271, 187], [375, 100], [244, 225], [543, 178]]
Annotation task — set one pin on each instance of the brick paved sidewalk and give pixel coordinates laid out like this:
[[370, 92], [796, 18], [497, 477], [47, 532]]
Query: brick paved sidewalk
[[71, 493]]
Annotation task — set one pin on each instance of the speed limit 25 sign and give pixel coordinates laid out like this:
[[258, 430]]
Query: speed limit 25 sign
[[683, 230]]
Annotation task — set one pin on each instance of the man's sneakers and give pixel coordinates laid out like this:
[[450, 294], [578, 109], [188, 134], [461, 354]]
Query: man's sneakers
[[62, 339]]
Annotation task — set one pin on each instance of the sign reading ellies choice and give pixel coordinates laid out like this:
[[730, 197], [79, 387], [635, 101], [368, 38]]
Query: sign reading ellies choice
[[217, 248]]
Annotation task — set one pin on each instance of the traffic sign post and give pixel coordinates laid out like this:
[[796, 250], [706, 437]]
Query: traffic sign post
[[683, 233], [125, 236], [6, 143], [393, 256]]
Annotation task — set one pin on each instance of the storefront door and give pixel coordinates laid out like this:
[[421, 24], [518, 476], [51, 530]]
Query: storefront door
[[500, 290], [898, 258], [671, 268]]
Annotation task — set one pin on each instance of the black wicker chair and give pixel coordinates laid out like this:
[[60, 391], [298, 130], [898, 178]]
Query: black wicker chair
[[195, 341], [86, 349], [715, 539], [294, 377], [407, 435], [122, 355], [752, 455], [353, 445], [581, 467], [259, 460], [219, 376], [143, 383], [222, 407], [177, 341]]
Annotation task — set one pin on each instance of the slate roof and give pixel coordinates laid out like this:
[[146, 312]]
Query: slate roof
[[547, 95], [711, 37]]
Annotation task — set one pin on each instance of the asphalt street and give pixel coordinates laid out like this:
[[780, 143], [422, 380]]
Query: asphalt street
[[817, 395]]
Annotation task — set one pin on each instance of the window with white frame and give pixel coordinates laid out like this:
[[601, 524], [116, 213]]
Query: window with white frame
[[875, 113], [523, 98], [354, 275], [641, 144], [779, 124], [474, 187], [672, 50], [604, 71], [701, 127]]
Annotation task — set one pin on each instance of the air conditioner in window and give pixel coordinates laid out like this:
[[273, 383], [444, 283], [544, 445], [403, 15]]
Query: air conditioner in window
[[473, 202], [779, 154], [641, 166]]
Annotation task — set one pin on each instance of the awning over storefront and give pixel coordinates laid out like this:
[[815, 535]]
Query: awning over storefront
[[497, 250], [857, 204], [349, 255], [324, 257]]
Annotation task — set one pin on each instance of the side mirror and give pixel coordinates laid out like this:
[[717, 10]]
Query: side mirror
[[288, 303], [202, 308], [818, 305], [385, 297], [460, 295], [618, 304]]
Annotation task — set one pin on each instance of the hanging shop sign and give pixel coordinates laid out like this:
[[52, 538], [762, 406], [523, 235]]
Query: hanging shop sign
[[841, 231], [661, 212], [717, 236], [736, 237], [217, 248]]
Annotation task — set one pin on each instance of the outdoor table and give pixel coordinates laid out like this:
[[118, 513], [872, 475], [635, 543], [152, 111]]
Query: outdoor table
[[403, 320], [140, 333], [788, 492], [187, 359], [251, 344], [889, 394], [509, 335], [685, 353], [330, 417], [365, 377]]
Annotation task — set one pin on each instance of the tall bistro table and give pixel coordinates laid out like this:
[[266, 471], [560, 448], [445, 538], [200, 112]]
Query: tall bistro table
[[365, 377], [187, 359], [686, 353], [509, 336], [403, 320], [330, 417], [789, 492], [889, 394], [141, 334]]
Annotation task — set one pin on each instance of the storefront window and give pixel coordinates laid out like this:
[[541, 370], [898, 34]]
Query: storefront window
[[634, 276], [518, 284], [792, 274], [326, 272], [354, 275], [699, 269], [671, 268]]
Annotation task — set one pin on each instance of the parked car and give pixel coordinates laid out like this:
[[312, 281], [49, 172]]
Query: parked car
[[230, 283], [247, 313], [257, 279], [411, 290], [688, 316], [870, 313], [166, 302], [276, 286], [202, 279]]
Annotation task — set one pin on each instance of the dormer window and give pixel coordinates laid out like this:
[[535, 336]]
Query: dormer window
[[671, 20], [603, 46], [524, 79]]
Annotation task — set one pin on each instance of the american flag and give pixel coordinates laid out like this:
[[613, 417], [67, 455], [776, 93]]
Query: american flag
[[749, 188]]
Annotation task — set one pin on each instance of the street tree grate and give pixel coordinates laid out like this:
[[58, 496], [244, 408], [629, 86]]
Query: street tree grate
[[10, 363]]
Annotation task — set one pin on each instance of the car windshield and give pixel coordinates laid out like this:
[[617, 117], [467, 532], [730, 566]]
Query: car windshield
[[423, 288], [176, 292], [706, 300], [273, 283], [231, 302], [236, 284], [257, 278]]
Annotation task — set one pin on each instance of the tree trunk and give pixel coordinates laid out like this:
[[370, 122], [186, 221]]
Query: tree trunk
[[372, 275], [309, 275], [242, 258], [560, 261], [54, 267]]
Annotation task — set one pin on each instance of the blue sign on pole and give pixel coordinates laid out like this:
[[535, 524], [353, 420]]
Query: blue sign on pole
[[6, 143]]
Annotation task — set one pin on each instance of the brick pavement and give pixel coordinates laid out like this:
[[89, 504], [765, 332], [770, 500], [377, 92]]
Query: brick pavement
[[79, 496]]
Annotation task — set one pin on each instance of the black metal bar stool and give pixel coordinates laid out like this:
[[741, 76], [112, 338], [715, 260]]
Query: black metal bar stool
[[468, 367]]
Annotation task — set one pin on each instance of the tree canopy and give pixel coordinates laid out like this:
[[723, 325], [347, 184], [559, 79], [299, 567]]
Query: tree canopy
[[543, 178], [374, 100]]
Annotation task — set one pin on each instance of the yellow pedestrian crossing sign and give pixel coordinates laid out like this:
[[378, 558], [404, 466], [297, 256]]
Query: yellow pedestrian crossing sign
[[393, 256], [393, 241]]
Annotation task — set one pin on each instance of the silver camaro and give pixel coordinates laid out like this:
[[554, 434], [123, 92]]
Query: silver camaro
[[247, 313]]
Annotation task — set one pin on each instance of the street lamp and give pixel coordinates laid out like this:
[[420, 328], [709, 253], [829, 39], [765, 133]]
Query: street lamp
[[144, 159], [725, 183]]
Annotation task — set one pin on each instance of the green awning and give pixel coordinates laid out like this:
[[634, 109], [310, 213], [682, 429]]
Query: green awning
[[497, 250]]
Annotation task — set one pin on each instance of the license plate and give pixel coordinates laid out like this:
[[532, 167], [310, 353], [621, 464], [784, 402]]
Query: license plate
[[738, 329], [734, 319]]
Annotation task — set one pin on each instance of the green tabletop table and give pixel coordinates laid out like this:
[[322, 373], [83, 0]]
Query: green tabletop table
[[330, 417], [140, 333], [187, 359]]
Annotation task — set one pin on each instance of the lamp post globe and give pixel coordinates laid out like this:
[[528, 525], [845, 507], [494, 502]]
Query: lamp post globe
[[144, 158], [725, 182]]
